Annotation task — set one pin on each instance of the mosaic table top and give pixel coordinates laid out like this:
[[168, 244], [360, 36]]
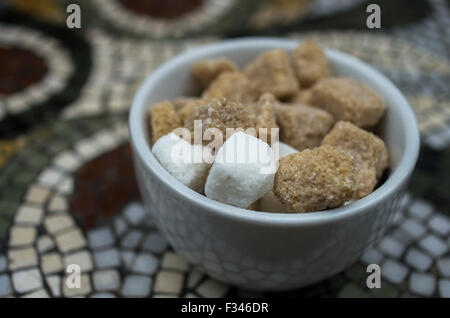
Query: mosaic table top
[[68, 193]]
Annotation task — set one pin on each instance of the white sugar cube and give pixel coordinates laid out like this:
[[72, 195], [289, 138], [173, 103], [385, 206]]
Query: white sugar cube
[[285, 150], [184, 161], [242, 172]]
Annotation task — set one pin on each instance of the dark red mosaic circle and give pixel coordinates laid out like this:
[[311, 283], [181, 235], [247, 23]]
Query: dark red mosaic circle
[[19, 68], [166, 9], [103, 186]]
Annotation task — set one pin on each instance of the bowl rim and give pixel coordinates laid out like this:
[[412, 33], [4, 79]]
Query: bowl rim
[[394, 182]]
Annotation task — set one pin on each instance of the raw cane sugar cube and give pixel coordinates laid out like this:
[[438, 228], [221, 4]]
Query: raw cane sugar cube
[[222, 113], [348, 100], [315, 179], [180, 102], [182, 160], [242, 172], [205, 71], [186, 111], [265, 118], [302, 97], [349, 137], [271, 72], [233, 86], [163, 119], [302, 126], [310, 63]]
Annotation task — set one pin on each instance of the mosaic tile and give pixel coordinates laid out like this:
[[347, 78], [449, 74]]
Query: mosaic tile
[[172, 260], [134, 213], [28, 214], [154, 243], [393, 271], [103, 295], [101, 237], [372, 256], [70, 240], [145, 264], [413, 228], [433, 245], [81, 258], [57, 223], [422, 284], [131, 239], [120, 226], [54, 283], [128, 257], [49, 177], [21, 258], [418, 260], [194, 278], [27, 280], [136, 286], [51, 263], [420, 209], [20, 236], [45, 243], [106, 280], [212, 289], [440, 224], [68, 160], [391, 247], [58, 204], [444, 288], [85, 287], [41, 293], [5, 286], [443, 266], [3, 263], [107, 258], [168, 282], [37, 194]]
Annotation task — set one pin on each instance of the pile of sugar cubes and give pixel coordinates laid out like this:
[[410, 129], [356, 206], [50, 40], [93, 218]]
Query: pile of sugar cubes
[[281, 135]]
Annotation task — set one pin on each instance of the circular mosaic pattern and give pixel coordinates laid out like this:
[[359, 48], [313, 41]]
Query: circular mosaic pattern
[[43, 65], [113, 240]]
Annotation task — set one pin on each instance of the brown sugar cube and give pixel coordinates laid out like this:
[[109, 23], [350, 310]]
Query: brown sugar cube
[[349, 137], [310, 63], [315, 179], [205, 71], [265, 116], [186, 111], [302, 97], [222, 113], [348, 100], [233, 86], [366, 178], [272, 72], [302, 126], [180, 102], [163, 119]]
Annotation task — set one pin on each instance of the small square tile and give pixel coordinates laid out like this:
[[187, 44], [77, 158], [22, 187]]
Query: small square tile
[[422, 284], [394, 271], [413, 228], [5, 286], [444, 288], [106, 280], [82, 258], [27, 280], [107, 258], [68, 160], [21, 236], [443, 266], [391, 247], [420, 209], [154, 243], [66, 186], [212, 289], [45, 243], [58, 222], [37, 194], [49, 177], [58, 203], [29, 214], [120, 226], [134, 213], [41, 293], [128, 257], [51, 263], [145, 264], [440, 224], [372, 256], [174, 261], [70, 240], [21, 258], [433, 245], [136, 286], [131, 239], [418, 260], [101, 237], [168, 282], [54, 283], [83, 289]]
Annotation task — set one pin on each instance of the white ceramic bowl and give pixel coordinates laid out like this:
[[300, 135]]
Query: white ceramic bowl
[[268, 251]]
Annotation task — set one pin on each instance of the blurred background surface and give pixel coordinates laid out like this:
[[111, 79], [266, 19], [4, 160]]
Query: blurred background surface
[[67, 187]]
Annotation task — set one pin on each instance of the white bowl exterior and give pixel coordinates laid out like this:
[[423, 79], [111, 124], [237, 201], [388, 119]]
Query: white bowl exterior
[[268, 251]]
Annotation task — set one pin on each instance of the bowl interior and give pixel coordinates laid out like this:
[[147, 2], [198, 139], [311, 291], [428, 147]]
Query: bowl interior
[[399, 129]]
